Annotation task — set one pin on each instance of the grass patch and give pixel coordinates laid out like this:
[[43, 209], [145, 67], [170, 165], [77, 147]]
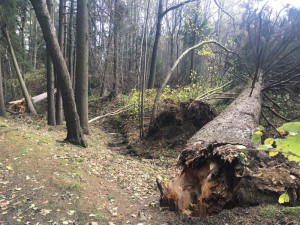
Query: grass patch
[[294, 211], [73, 186], [80, 160], [270, 211], [100, 217]]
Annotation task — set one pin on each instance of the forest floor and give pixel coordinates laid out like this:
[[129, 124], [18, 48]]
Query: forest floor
[[46, 181]]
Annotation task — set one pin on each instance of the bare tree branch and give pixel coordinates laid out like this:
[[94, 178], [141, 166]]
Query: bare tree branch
[[175, 7]]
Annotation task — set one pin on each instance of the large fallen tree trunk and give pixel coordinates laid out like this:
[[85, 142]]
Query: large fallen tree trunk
[[213, 173]]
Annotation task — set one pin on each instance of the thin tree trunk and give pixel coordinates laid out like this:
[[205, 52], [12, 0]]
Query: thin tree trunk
[[81, 87], [116, 48], [168, 76], [155, 47], [71, 41], [74, 133], [29, 103], [9, 70], [144, 71], [107, 60], [34, 47], [50, 78], [59, 101], [2, 105]]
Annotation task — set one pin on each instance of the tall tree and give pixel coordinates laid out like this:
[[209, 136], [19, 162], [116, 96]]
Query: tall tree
[[50, 78], [59, 103], [116, 47], [74, 133], [2, 106], [34, 43], [29, 103], [71, 44], [160, 16], [81, 79]]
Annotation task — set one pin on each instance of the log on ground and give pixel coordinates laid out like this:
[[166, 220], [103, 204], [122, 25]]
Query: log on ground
[[213, 173]]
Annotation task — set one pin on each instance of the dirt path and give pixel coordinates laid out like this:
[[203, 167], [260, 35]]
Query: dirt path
[[46, 181]]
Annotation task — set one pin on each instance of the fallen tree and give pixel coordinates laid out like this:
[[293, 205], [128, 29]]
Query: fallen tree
[[20, 106], [214, 173]]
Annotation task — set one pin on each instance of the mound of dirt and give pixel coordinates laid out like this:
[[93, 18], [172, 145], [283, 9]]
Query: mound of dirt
[[179, 121]]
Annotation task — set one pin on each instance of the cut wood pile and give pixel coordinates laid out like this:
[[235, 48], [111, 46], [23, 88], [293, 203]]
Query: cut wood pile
[[215, 172]]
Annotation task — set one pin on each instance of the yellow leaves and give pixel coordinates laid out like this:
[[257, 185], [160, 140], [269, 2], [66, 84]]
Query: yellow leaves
[[269, 141], [272, 154], [281, 131], [9, 168], [258, 133], [259, 175], [284, 198]]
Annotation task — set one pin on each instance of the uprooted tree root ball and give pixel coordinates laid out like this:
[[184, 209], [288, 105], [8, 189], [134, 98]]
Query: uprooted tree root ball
[[215, 177], [180, 119]]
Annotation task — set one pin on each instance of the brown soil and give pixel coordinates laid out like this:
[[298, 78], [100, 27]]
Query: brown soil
[[46, 181], [167, 135]]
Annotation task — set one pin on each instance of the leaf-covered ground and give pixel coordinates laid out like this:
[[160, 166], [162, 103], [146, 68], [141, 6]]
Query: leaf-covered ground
[[46, 181]]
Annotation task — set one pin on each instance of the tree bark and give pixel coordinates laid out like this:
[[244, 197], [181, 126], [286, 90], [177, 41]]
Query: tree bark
[[160, 16], [211, 172], [59, 102], [116, 48], [155, 46], [50, 78], [81, 87], [34, 47], [2, 105], [71, 43], [29, 103], [74, 133]]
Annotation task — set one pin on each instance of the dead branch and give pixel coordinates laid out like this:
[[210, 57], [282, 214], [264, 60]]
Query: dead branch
[[276, 113], [211, 92], [124, 109], [223, 10]]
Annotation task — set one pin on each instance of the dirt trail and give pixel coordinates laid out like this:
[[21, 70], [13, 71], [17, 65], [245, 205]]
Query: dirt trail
[[46, 181]]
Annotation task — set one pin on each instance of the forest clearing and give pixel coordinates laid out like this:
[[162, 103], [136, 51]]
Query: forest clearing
[[149, 112]]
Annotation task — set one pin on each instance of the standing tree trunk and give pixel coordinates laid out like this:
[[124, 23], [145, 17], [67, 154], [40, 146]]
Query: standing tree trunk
[[9, 71], [29, 103], [34, 44], [50, 78], [160, 16], [59, 103], [155, 47], [71, 43], [116, 48], [81, 83], [214, 173], [74, 133], [2, 105]]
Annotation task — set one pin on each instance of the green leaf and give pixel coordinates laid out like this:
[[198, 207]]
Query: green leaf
[[163, 177], [291, 144], [264, 147], [284, 198], [260, 128], [291, 127], [256, 138]]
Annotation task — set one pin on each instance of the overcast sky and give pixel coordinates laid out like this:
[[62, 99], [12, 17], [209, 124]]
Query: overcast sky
[[278, 4]]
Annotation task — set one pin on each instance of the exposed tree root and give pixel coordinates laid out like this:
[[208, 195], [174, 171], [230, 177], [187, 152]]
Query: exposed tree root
[[213, 172], [215, 177]]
